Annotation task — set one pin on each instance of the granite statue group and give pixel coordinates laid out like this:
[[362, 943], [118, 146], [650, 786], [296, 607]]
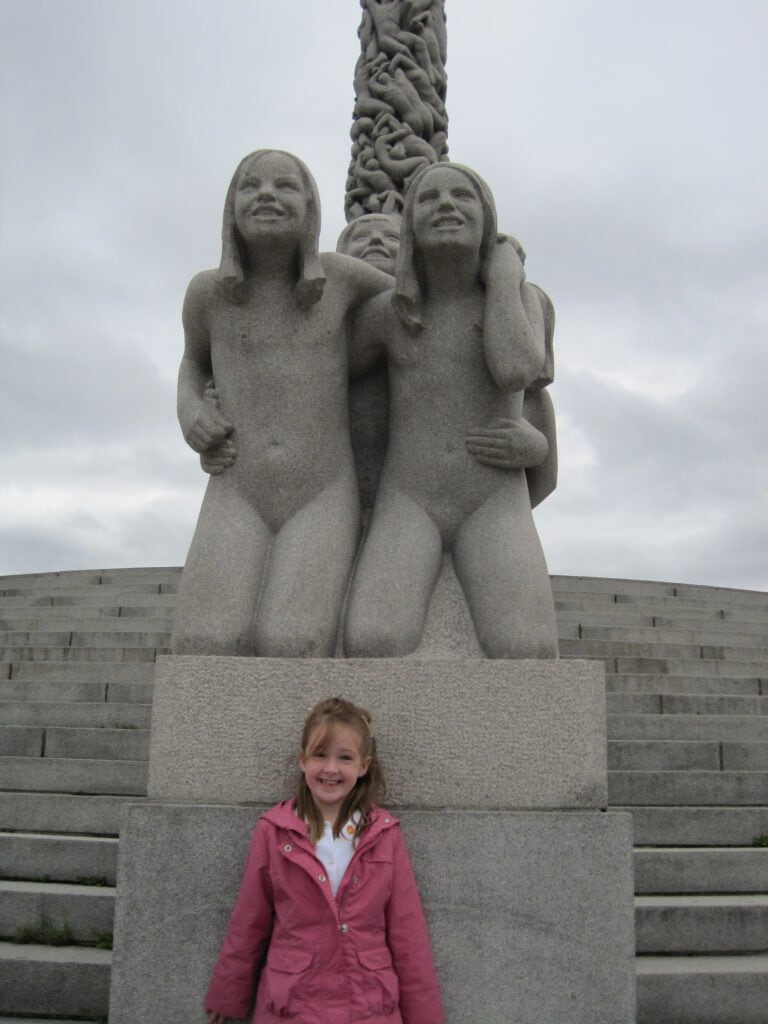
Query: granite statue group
[[272, 338]]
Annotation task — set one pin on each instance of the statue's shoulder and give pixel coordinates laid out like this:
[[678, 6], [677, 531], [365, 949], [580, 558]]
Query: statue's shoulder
[[203, 285], [350, 270], [201, 293]]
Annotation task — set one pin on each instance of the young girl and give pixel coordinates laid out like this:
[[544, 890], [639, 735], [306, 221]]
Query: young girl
[[328, 893]]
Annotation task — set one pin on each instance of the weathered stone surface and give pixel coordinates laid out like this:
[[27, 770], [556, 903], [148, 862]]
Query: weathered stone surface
[[530, 913], [482, 734]]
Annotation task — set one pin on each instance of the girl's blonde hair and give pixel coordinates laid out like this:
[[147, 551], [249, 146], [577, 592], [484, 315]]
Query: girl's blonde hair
[[368, 789]]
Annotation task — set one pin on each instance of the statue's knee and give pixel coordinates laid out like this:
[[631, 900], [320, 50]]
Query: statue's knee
[[379, 639], [294, 640]]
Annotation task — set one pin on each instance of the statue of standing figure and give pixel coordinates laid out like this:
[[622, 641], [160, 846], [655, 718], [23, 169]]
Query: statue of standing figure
[[263, 398], [464, 336], [271, 339]]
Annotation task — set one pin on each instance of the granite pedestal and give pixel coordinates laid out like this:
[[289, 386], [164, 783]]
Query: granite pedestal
[[497, 772]]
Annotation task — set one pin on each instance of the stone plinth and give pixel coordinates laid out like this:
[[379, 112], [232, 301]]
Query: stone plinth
[[530, 912], [475, 734], [498, 773]]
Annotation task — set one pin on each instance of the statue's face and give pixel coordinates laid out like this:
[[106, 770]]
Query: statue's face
[[447, 211], [270, 200], [376, 239]]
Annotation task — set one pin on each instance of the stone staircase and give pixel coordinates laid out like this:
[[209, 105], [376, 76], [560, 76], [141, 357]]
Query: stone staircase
[[687, 681]]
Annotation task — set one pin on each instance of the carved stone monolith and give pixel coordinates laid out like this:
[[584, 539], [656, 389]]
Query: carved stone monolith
[[400, 123]]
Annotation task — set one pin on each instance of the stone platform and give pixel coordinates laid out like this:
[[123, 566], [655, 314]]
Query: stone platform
[[498, 773]]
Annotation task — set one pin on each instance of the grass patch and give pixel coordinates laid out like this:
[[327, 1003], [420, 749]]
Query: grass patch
[[98, 880], [760, 841], [100, 940], [43, 933]]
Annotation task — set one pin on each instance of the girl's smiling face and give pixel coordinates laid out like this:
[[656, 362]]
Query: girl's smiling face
[[332, 764]]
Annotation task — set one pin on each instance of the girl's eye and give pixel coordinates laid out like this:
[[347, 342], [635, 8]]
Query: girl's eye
[[287, 185]]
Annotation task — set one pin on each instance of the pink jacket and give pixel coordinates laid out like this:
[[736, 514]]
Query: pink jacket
[[361, 956]]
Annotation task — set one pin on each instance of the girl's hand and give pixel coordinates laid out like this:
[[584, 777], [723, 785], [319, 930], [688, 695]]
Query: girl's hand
[[216, 1018]]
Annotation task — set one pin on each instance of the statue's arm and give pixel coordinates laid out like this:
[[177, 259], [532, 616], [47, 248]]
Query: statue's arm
[[540, 413], [368, 309], [513, 325], [202, 423]]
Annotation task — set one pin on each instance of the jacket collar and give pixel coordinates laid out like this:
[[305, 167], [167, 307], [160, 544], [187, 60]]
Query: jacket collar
[[284, 815]]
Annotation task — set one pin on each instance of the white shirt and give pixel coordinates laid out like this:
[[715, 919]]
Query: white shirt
[[335, 854]]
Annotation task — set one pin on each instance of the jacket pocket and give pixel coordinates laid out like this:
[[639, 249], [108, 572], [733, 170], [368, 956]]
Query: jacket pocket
[[382, 990], [283, 984]]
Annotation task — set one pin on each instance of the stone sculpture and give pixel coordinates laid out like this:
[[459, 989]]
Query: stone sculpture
[[464, 335], [399, 122], [375, 238], [263, 398]]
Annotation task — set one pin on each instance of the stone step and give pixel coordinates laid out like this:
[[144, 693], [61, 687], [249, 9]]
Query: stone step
[[710, 685], [108, 593], [606, 585], [132, 672], [701, 870], [54, 981], [71, 775], [131, 573], [686, 755], [685, 704], [77, 655], [656, 613], [95, 602], [734, 923], [123, 744], [697, 826], [688, 788], [112, 638], [87, 911], [749, 728], [76, 714], [120, 629], [63, 813], [57, 858], [651, 650], [676, 636], [69, 691], [702, 989], [34, 1020], [624, 591], [667, 605], [706, 666], [715, 623], [52, 617]]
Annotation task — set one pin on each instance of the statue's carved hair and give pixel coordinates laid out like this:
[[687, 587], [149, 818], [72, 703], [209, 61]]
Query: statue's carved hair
[[410, 281], [233, 266]]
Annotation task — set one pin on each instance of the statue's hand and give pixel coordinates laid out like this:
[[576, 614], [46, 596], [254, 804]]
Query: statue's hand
[[209, 428], [505, 266], [508, 444], [216, 460]]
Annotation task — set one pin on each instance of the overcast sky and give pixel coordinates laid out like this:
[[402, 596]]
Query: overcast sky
[[625, 143]]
